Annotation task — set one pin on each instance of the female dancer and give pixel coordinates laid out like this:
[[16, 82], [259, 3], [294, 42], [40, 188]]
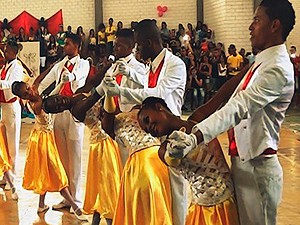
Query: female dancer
[[145, 193], [104, 165], [205, 167], [43, 171], [5, 165]]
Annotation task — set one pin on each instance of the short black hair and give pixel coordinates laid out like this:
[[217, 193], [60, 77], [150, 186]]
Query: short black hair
[[16, 87], [76, 39], [126, 33], [13, 45], [150, 102], [147, 29], [283, 11]]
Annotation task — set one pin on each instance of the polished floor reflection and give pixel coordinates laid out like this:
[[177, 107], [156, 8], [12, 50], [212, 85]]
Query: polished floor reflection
[[23, 211]]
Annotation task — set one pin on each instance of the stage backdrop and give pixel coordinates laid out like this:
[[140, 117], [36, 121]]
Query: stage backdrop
[[26, 20]]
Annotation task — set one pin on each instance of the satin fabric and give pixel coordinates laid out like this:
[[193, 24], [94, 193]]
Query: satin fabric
[[43, 171], [145, 193], [221, 214], [4, 157], [103, 178]]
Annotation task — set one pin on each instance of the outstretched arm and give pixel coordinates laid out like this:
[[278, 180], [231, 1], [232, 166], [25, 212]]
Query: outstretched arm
[[81, 107], [94, 81], [219, 99]]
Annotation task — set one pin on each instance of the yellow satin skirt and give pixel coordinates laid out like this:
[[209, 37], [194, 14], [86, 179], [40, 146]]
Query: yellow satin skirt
[[221, 214], [5, 164], [43, 171], [145, 193], [103, 178]]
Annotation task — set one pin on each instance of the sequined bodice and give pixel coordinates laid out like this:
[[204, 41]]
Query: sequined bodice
[[44, 121], [208, 175], [94, 124], [130, 135]]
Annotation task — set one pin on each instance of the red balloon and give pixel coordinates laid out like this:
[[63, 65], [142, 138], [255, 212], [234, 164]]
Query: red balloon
[[164, 9], [160, 13], [159, 8]]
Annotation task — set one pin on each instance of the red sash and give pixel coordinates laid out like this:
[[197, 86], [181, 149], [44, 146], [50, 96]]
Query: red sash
[[66, 89], [233, 151], [2, 97], [153, 77]]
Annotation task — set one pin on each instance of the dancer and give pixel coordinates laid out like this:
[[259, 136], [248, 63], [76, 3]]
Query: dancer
[[43, 171], [145, 193], [204, 167], [10, 107], [166, 79], [5, 165], [104, 165], [256, 111], [70, 74]]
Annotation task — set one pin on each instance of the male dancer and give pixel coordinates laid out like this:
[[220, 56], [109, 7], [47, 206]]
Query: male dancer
[[10, 107], [166, 79], [256, 111], [69, 74]]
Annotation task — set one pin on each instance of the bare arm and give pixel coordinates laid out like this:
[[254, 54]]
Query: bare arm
[[81, 107], [94, 81]]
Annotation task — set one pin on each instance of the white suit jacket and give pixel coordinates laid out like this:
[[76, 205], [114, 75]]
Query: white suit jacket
[[13, 73], [136, 80], [170, 85], [257, 112], [81, 71]]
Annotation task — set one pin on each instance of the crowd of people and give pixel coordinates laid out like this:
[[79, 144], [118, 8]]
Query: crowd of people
[[143, 157]]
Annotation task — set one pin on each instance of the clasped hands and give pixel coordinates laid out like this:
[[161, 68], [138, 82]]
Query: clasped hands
[[110, 86], [67, 76], [179, 144]]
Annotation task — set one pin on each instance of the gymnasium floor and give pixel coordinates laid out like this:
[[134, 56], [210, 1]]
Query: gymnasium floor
[[23, 211]]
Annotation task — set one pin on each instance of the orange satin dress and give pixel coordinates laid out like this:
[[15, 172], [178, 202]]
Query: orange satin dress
[[145, 193], [104, 169], [5, 164], [43, 171]]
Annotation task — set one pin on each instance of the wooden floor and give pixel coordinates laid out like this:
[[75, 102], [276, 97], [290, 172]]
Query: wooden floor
[[24, 211]]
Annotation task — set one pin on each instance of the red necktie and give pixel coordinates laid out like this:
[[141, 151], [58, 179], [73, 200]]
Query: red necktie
[[66, 89], [118, 80], [3, 76], [3, 73], [153, 76], [233, 151]]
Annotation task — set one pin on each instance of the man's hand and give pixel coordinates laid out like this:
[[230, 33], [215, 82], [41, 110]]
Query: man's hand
[[124, 69], [67, 76], [111, 87], [180, 144]]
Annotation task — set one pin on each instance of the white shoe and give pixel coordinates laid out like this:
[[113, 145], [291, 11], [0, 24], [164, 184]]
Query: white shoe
[[60, 205], [80, 217], [43, 209], [14, 194], [7, 187]]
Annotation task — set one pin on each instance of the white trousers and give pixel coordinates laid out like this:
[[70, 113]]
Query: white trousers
[[69, 141], [258, 189], [179, 193], [11, 119]]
